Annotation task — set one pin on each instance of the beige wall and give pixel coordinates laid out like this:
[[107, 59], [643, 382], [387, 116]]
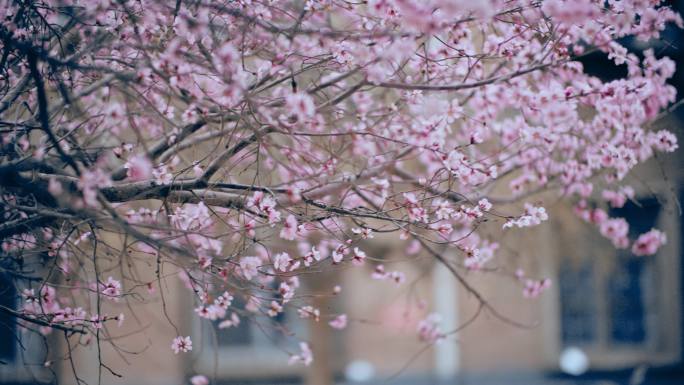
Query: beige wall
[[143, 341]]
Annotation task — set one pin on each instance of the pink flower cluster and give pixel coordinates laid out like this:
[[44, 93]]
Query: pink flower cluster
[[428, 329], [648, 243], [617, 230]]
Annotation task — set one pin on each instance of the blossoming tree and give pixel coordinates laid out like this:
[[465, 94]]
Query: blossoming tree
[[241, 145]]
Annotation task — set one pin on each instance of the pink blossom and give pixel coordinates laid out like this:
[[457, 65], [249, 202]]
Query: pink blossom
[[428, 329], [365, 233], [312, 256], [211, 312], [90, 181], [379, 272], [533, 216], [339, 322], [294, 194], [162, 175], [255, 199], [571, 11], [199, 380], [266, 205], [111, 288], [249, 266], [301, 105], [484, 204], [181, 344], [309, 312], [289, 230], [339, 253], [444, 209], [197, 170], [534, 288], [648, 243], [665, 141], [138, 168], [286, 291], [359, 257], [249, 228], [96, 321], [413, 247], [55, 187], [618, 198], [274, 309], [234, 321], [305, 356], [283, 262], [273, 216], [224, 300], [616, 230]]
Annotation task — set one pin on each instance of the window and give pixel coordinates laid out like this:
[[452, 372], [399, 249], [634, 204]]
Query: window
[[620, 308], [578, 305], [633, 285], [265, 332], [22, 353], [8, 326], [256, 350]]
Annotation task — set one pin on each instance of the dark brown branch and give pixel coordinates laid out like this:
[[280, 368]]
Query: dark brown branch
[[464, 86], [39, 321], [43, 114]]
